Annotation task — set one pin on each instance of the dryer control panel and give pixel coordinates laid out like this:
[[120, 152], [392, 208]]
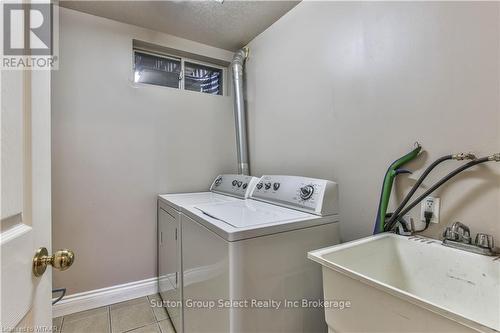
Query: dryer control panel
[[239, 186], [315, 196]]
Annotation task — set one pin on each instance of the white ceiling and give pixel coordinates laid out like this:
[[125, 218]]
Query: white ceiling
[[228, 25]]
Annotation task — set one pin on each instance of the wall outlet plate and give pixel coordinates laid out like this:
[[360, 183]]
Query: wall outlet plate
[[430, 204]]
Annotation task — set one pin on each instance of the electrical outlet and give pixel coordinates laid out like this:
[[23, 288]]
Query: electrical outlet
[[430, 204]]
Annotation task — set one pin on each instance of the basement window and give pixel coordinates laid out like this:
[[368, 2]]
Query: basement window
[[178, 72], [203, 78], [160, 71]]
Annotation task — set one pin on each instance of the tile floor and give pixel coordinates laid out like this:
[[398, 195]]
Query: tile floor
[[134, 316]]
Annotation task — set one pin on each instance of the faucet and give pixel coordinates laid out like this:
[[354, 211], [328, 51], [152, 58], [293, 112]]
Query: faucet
[[458, 236], [458, 232]]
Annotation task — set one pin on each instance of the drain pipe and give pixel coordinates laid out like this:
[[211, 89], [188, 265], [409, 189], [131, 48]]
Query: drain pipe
[[239, 110]]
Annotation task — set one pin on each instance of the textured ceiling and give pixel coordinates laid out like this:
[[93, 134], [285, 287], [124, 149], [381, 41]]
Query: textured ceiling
[[228, 25]]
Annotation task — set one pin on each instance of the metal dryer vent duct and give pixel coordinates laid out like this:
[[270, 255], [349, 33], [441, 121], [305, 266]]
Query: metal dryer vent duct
[[239, 110]]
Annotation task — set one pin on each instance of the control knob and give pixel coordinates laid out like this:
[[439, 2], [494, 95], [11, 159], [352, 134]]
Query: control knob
[[218, 181], [306, 192], [268, 186]]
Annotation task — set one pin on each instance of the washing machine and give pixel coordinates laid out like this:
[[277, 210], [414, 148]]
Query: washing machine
[[244, 262], [225, 188]]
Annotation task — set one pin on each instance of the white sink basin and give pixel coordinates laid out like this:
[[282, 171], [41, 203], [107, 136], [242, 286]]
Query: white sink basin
[[409, 284]]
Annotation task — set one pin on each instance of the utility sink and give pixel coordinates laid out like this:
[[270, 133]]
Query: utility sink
[[409, 284]]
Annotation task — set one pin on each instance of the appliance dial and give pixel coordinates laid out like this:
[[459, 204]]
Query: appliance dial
[[268, 186], [306, 192], [259, 186], [218, 181], [276, 186], [239, 183], [245, 186], [235, 182]]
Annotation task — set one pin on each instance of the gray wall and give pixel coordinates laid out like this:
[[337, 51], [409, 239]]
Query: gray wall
[[340, 90], [115, 146]]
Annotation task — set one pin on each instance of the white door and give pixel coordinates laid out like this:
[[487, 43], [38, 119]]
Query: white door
[[25, 199]]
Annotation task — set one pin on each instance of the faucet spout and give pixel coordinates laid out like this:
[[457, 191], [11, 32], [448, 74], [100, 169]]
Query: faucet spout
[[458, 236]]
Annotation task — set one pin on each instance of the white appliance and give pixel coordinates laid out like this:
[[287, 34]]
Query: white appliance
[[225, 188], [244, 264]]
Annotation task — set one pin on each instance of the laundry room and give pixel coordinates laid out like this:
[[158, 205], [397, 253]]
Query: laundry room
[[250, 166]]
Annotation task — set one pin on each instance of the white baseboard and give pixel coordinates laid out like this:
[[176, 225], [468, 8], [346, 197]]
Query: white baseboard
[[100, 297]]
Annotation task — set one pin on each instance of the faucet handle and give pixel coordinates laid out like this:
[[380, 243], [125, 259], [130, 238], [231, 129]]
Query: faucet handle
[[466, 238], [484, 241], [460, 232], [449, 235]]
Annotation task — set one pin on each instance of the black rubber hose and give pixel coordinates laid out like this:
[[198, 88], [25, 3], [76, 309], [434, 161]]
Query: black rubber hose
[[437, 185], [395, 216]]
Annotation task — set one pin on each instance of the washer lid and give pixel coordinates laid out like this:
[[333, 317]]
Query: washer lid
[[181, 200], [248, 213]]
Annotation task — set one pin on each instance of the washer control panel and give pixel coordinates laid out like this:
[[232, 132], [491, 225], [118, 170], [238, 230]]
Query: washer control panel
[[316, 196], [239, 186]]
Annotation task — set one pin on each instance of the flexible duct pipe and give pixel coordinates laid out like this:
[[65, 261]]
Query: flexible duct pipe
[[239, 111]]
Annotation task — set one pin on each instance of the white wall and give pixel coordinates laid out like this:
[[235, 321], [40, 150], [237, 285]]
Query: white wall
[[339, 90], [116, 146]]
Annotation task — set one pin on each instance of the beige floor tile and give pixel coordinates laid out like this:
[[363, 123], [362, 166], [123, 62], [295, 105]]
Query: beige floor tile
[[98, 322], [156, 302], [166, 326], [131, 302], [152, 328], [85, 314], [155, 297], [160, 313], [132, 314], [56, 322]]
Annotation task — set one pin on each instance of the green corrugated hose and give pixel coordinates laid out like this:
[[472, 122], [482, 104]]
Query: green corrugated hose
[[388, 182]]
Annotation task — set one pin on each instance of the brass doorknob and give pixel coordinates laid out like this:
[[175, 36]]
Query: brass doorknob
[[61, 260]]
